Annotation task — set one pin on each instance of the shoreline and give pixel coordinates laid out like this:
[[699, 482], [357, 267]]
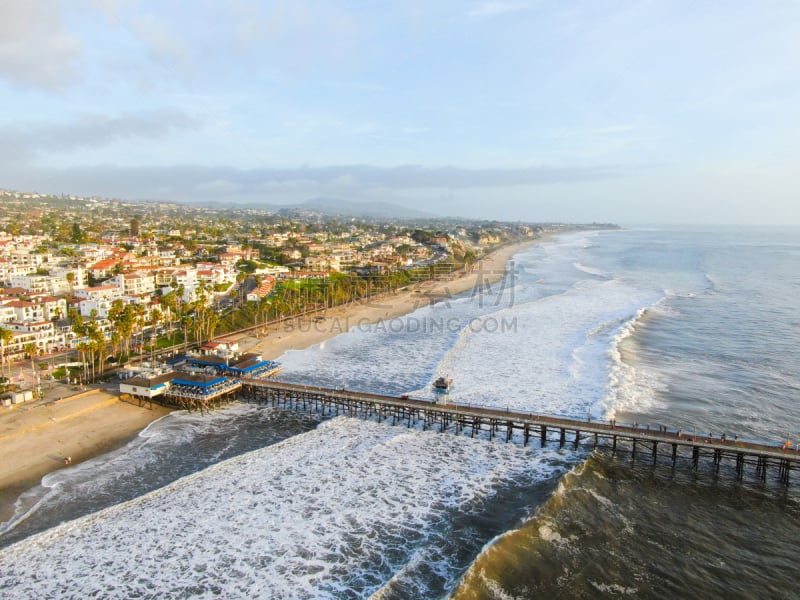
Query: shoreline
[[36, 439], [300, 333]]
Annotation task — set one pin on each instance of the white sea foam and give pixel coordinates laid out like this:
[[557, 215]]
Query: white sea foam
[[346, 509], [711, 282], [631, 387], [116, 463], [335, 512], [547, 348], [614, 589], [556, 361], [590, 270], [100, 481]]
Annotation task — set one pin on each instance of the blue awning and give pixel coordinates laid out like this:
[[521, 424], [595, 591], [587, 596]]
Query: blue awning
[[203, 384], [258, 366]]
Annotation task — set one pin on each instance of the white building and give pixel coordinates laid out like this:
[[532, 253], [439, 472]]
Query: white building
[[80, 275], [108, 292], [7, 312], [134, 284], [41, 284], [42, 334], [24, 310], [25, 257], [53, 307], [98, 298], [146, 387]]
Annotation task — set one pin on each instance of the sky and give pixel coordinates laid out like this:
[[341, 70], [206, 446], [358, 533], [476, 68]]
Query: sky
[[658, 112]]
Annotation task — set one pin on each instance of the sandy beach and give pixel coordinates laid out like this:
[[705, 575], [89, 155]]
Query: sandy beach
[[299, 334], [35, 439]]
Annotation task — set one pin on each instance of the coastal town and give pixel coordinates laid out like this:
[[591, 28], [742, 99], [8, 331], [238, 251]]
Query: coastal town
[[90, 283]]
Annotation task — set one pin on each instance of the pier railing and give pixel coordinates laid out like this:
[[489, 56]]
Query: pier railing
[[660, 445]]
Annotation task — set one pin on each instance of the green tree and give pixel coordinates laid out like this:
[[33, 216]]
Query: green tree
[[78, 236], [83, 349], [70, 276], [32, 351], [170, 305], [6, 335]]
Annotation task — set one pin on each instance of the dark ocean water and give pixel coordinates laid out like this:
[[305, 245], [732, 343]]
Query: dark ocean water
[[697, 329]]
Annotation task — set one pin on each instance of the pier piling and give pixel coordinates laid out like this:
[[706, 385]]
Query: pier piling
[[599, 435]]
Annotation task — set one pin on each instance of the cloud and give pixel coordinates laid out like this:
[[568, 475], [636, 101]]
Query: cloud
[[35, 48], [111, 8], [24, 141], [218, 186], [162, 43], [299, 34]]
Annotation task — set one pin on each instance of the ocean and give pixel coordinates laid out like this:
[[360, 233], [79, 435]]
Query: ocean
[[692, 328]]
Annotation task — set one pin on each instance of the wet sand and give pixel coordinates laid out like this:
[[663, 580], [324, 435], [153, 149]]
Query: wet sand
[[35, 439]]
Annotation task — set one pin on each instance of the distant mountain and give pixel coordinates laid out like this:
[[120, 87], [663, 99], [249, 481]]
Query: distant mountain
[[376, 210]]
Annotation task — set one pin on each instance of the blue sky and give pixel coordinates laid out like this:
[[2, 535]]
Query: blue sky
[[634, 112]]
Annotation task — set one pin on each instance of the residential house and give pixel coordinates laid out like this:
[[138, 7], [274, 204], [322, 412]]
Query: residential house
[[264, 289], [104, 268]]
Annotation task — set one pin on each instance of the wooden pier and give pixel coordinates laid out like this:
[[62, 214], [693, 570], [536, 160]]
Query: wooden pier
[[741, 459], [182, 390], [195, 400]]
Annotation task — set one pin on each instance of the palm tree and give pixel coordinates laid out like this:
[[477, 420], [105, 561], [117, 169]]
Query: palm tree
[[156, 316], [99, 349], [84, 348], [263, 310], [186, 324], [6, 335], [116, 343], [32, 350], [140, 313], [71, 281], [169, 303]]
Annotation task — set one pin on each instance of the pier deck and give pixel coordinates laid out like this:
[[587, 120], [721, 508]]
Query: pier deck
[[654, 445]]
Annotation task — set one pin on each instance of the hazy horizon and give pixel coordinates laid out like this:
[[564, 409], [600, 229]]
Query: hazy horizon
[[673, 113]]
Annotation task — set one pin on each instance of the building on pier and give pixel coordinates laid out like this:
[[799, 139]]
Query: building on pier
[[254, 368], [199, 387], [144, 387], [248, 365], [181, 390]]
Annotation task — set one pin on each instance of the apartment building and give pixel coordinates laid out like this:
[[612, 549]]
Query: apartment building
[[9, 269], [7, 313], [98, 299], [26, 258], [103, 268], [264, 289], [134, 284], [41, 284], [43, 334], [53, 307], [24, 310]]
